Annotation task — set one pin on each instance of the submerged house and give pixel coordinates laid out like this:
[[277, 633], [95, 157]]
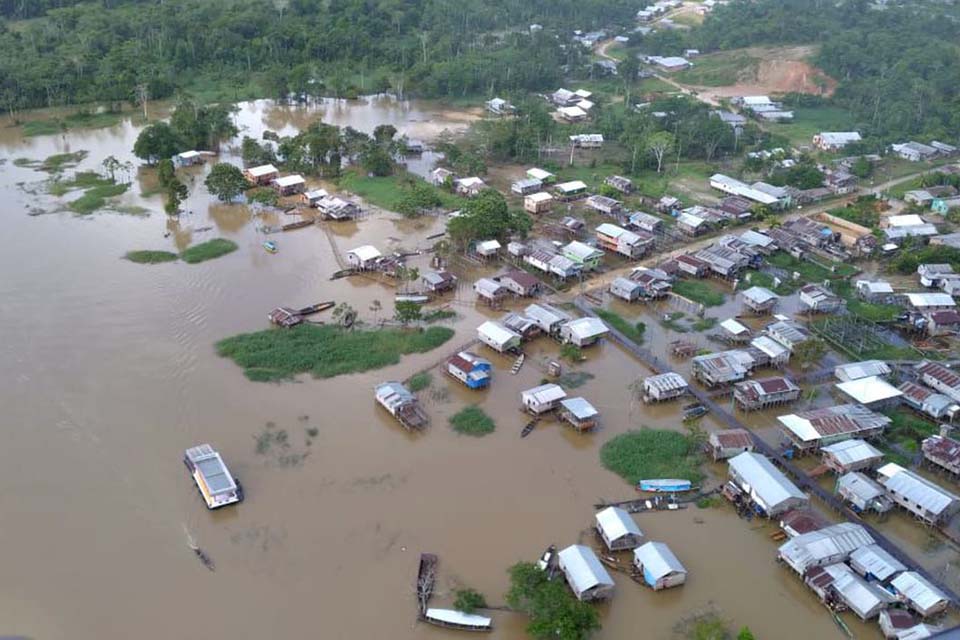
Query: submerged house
[[470, 369], [401, 403], [584, 573], [439, 281], [542, 399], [579, 413], [625, 289], [863, 493], [766, 486], [364, 258], [489, 290], [920, 594], [851, 455], [548, 318], [312, 197], [838, 582], [659, 566], [939, 377], [819, 299], [617, 529], [874, 563], [333, 208], [759, 299]]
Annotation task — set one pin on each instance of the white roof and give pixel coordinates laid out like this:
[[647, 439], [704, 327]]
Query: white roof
[[750, 101], [545, 393], [316, 194], [583, 569], [875, 560], [458, 617], [488, 245], [906, 220], [833, 542], [865, 369], [188, 154], [839, 137], [586, 105], [759, 295], [848, 452], [574, 185], [617, 523], [869, 390], [470, 182], [581, 250], [756, 238], [579, 407], [366, 253], [931, 300], [545, 314], [734, 327], [572, 112], [589, 327], [497, 332], [583, 93], [669, 381], [540, 196], [875, 286], [860, 485], [862, 597], [769, 346], [262, 170], [917, 489], [690, 220], [657, 559], [289, 181], [765, 480], [539, 174], [839, 421], [918, 590], [736, 187]]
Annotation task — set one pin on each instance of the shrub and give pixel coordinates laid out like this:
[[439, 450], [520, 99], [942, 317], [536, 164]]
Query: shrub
[[469, 600], [472, 421], [652, 453], [150, 257], [420, 381]]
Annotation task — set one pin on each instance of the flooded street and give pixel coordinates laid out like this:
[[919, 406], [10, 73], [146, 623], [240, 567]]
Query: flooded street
[[110, 373]]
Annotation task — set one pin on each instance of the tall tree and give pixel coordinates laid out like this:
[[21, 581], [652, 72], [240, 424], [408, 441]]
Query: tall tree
[[226, 182]]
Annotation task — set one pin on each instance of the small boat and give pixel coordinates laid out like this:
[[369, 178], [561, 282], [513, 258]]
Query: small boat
[[270, 246], [299, 224], [213, 479], [316, 308], [453, 619], [665, 485], [694, 411], [411, 297], [527, 428]]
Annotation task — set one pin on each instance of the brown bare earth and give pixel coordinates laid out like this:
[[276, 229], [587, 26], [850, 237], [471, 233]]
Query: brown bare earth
[[779, 70]]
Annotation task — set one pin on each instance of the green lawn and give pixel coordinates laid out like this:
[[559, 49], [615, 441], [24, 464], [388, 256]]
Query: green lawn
[[208, 250], [388, 191], [809, 271], [699, 291], [652, 453], [633, 330], [761, 279], [472, 421], [808, 121], [324, 351], [96, 198], [719, 69]]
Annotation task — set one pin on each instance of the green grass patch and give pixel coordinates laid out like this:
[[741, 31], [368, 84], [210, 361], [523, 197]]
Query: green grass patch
[[419, 381], [906, 425], [96, 198], [25, 162], [324, 351], [810, 271], [43, 128], [146, 256], [574, 379], [388, 192], [208, 250], [719, 69], [699, 291], [633, 330], [472, 421], [704, 324], [874, 312], [78, 120], [652, 453], [808, 121], [673, 321], [60, 161], [438, 315], [80, 180], [761, 279]]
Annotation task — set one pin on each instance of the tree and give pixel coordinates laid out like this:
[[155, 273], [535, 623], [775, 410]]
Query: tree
[[176, 193], [406, 311], [554, 613], [660, 144], [111, 165], [487, 217], [862, 168], [255, 154], [376, 161], [156, 141], [225, 181], [809, 352], [469, 600], [745, 634], [383, 134]]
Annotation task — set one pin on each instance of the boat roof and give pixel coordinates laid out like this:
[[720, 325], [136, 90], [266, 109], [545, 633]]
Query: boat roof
[[452, 616], [657, 559], [211, 466]]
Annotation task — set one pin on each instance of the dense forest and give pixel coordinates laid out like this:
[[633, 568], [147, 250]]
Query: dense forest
[[898, 68], [61, 51]]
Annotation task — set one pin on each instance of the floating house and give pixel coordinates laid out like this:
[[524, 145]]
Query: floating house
[[851, 455], [583, 332], [900, 624], [584, 573], [579, 413], [262, 175], [729, 443], [751, 395], [498, 337], [863, 493], [664, 386], [539, 202], [874, 563], [489, 290], [812, 429], [289, 185], [659, 566], [769, 352], [364, 258], [766, 486], [470, 369], [942, 452], [829, 545], [542, 399], [216, 484], [618, 530], [927, 501], [759, 300], [401, 403], [920, 594]]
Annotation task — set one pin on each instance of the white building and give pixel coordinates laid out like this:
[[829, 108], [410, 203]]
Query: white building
[[835, 140], [858, 370], [365, 257], [584, 573], [617, 529], [925, 500], [765, 485], [664, 386], [542, 399], [920, 594], [659, 566], [583, 332], [498, 337]]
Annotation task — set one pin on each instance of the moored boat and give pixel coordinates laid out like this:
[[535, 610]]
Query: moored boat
[[217, 486], [665, 485], [453, 619], [270, 246]]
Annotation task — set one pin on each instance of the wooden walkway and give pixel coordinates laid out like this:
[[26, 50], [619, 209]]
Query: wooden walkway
[[799, 477]]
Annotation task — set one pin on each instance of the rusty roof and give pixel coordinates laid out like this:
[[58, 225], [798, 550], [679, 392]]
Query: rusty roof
[[733, 439], [803, 521], [522, 278], [915, 391], [943, 449], [941, 373]]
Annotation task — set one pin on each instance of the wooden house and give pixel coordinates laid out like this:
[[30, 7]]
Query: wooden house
[[752, 395], [526, 186], [573, 190], [333, 208], [469, 187], [583, 332], [261, 175], [604, 205], [542, 399], [587, 578], [498, 337], [625, 289], [579, 413], [617, 529], [489, 290], [520, 283], [620, 240], [729, 443], [364, 258], [664, 386], [850, 455], [539, 202], [659, 566], [289, 185], [470, 369], [312, 197], [759, 300], [439, 281], [621, 184]]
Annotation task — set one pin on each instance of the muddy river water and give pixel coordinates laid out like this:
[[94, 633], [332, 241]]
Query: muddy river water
[[109, 373]]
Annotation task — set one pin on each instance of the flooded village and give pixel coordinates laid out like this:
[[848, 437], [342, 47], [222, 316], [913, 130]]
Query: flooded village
[[788, 398]]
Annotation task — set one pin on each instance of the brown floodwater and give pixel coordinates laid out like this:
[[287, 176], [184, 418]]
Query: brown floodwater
[[110, 373]]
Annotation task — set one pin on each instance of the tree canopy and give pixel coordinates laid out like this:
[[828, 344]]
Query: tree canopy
[[554, 613], [487, 217]]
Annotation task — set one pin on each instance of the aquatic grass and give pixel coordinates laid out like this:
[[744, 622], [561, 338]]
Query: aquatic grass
[[96, 198], [208, 250], [652, 453], [699, 291], [80, 180], [633, 330], [60, 161], [324, 351], [419, 381], [78, 120], [472, 421], [438, 315], [146, 256], [704, 324]]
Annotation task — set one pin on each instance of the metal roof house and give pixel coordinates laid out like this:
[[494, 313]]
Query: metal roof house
[[788, 333], [874, 563], [873, 392], [617, 529], [571, 190], [520, 283], [365, 257], [262, 174], [812, 429], [401, 403], [439, 281], [659, 566], [919, 594], [542, 175], [839, 581], [769, 489], [834, 140], [542, 399], [583, 332], [469, 187], [721, 368], [289, 185], [654, 283], [900, 624], [939, 377], [769, 352], [620, 183], [525, 327], [620, 240], [490, 290], [537, 202], [498, 337], [526, 186], [587, 257], [851, 455], [729, 443], [547, 317], [487, 248], [858, 370], [925, 500], [751, 395], [863, 493], [664, 386], [936, 405], [579, 413], [943, 452], [759, 299], [734, 331], [470, 369], [584, 573], [604, 204], [819, 299], [827, 546], [333, 208], [645, 222], [930, 301], [625, 289]]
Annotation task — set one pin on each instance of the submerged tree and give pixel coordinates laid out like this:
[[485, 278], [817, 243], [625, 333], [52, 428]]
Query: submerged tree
[[226, 181], [554, 613]]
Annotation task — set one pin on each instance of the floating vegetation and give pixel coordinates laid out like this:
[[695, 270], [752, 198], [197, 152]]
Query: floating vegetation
[[96, 198], [151, 257], [652, 453], [419, 381], [574, 379], [472, 421], [208, 250], [275, 444]]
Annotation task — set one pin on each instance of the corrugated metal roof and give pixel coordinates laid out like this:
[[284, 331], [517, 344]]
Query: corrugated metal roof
[[918, 590], [617, 523], [874, 560], [657, 559], [583, 569], [869, 390], [920, 300], [860, 486], [767, 482], [865, 369], [497, 332], [545, 393], [732, 439], [669, 381], [917, 489], [734, 327], [838, 420], [862, 598], [849, 452], [585, 328], [833, 542], [759, 295]]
